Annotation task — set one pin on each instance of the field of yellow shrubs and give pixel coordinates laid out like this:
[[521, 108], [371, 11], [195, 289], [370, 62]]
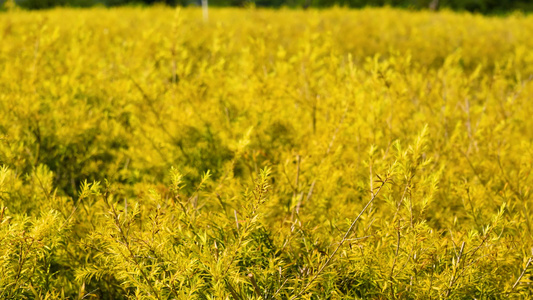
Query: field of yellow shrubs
[[265, 154]]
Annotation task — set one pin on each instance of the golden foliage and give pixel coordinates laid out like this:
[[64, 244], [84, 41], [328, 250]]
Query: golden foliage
[[335, 154]]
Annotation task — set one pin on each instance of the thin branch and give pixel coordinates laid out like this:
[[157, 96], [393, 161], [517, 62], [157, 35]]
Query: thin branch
[[126, 243], [522, 275], [344, 238], [296, 190], [254, 284], [454, 276], [232, 291]]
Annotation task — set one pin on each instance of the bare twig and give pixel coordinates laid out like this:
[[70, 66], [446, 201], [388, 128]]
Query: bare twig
[[454, 276], [522, 275], [337, 129], [309, 194], [232, 291], [344, 238], [254, 284], [279, 289], [296, 190], [236, 219], [126, 242], [398, 237]]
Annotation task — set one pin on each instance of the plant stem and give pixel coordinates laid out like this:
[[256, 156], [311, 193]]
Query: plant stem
[[348, 232]]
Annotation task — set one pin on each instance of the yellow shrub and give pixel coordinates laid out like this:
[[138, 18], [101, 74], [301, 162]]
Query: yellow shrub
[[278, 154]]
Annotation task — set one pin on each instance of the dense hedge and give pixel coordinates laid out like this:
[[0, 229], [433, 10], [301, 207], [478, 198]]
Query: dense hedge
[[320, 154]]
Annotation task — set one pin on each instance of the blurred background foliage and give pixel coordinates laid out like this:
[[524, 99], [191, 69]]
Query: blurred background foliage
[[479, 6]]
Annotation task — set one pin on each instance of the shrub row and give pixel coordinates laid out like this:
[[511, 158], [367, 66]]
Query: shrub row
[[265, 155]]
